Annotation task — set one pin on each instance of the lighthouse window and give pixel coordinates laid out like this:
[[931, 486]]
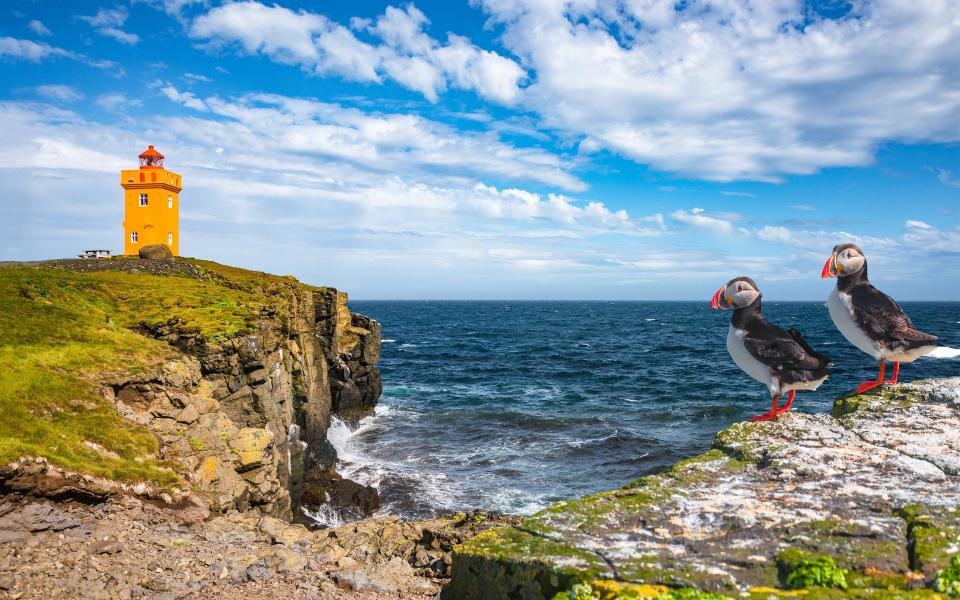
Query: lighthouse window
[[170, 239], [143, 199], [169, 201], [133, 237]]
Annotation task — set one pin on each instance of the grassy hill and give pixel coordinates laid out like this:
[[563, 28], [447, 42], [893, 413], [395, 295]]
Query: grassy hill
[[64, 332]]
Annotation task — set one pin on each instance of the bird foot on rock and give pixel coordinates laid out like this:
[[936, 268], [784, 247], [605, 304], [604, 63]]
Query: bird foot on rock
[[786, 407], [868, 385], [767, 416]]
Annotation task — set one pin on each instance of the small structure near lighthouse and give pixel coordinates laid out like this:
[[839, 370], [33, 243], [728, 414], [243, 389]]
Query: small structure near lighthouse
[[151, 205]]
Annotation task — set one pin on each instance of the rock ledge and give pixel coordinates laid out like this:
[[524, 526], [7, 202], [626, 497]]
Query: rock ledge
[[864, 502]]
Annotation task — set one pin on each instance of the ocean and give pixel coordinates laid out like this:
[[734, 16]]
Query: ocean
[[512, 406]]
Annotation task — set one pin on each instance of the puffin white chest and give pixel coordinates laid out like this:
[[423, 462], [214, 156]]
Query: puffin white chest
[[841, 311], [742, 357]]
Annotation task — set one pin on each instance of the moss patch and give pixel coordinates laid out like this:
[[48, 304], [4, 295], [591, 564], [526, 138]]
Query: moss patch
[[605, 589], [948, 579], [931, 536], [800, 569]]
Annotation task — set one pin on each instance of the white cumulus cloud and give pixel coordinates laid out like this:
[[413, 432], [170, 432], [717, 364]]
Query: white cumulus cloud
[[739, 89], [698, 218], [29, 50], [108, 22], [405, 54]]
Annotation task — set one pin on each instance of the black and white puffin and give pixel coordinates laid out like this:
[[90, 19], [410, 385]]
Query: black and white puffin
[[869, 319], [779, 358]]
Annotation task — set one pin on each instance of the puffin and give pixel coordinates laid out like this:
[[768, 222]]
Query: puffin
[[779, 358], [869, 319]]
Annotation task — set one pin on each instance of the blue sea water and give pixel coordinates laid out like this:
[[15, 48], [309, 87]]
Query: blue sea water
[[511, 406]]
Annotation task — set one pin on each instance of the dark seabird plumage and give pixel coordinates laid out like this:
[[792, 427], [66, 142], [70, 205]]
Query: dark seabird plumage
[[869, 319], [779, 358]]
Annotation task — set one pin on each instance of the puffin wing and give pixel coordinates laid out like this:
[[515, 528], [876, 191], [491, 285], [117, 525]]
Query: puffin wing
[[783, 350], [882, 319]]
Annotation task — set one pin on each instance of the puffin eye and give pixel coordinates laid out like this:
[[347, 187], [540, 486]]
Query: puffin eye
[[739, 287]]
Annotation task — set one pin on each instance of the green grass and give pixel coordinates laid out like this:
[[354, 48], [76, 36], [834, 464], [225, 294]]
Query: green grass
[[62, 333]]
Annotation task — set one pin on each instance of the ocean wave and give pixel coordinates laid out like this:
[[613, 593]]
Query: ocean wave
[[324, 515], [518, 502], [590, 441]]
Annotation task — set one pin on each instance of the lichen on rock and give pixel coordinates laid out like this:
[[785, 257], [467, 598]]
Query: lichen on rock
[[862, 503]]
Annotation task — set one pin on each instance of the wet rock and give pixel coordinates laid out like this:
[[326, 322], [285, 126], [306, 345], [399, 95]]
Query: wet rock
[[348, 497]]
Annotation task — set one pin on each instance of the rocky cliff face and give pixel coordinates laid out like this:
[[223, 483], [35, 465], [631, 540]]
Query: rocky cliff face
[[248, 416], [241, 416], [865, 502]]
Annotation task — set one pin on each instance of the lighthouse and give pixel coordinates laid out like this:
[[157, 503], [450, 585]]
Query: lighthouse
[[151, 204]]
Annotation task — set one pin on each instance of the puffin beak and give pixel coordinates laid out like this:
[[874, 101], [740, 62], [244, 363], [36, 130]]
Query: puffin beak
[[715, 301], [829, 270]]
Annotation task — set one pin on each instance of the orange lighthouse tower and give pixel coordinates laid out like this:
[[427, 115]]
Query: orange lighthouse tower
[[151, 205]]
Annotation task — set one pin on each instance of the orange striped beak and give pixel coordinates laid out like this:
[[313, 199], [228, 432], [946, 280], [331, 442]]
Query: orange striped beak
[[715, 301], [828, 268]]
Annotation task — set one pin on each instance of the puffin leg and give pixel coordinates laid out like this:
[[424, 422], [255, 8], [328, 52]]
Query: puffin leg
[[768, 416], [869, 385], [789, 403], [896, 373]]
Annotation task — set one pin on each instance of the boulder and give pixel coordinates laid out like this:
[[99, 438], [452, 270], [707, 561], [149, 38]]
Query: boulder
[[156, 252], [349, 498], [281, 532], [251, 446]]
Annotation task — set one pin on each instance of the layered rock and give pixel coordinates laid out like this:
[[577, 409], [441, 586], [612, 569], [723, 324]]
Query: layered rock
[[249, 415], [241, 415], [866, 500]]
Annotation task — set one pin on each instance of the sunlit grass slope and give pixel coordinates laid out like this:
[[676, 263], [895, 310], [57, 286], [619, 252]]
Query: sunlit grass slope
[[61, 332]]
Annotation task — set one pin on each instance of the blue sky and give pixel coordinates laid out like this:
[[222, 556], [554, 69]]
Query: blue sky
[[579, 149]]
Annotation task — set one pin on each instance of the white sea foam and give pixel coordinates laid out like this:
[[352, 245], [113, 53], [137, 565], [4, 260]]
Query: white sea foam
[[514, 501], [388, 341], [324, 515], [581, 443]]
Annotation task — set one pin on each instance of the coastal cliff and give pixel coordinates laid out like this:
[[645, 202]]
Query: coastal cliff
[[183, 381], [165, 427], [864, 502]]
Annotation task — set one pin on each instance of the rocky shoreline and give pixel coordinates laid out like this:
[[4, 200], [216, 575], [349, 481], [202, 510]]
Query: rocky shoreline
[[241, 419], [861, 503], [129, 548]]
